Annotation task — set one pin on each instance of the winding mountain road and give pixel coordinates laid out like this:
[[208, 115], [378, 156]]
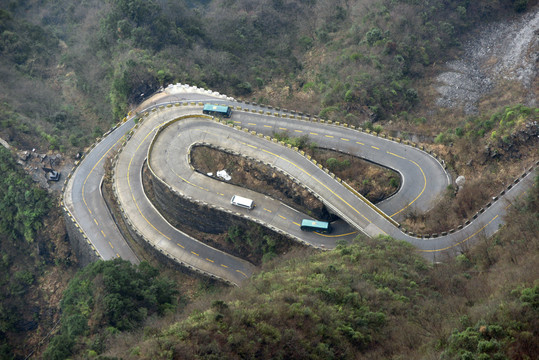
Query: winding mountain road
[[164, 137]]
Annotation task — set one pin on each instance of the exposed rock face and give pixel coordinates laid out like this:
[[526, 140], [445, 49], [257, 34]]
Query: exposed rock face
[[511, 147], [460, 181], [505, 50]]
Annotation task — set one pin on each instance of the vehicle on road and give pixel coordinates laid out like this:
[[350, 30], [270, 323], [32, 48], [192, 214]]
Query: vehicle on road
[[319, 226], [217, 110], [242, 202]]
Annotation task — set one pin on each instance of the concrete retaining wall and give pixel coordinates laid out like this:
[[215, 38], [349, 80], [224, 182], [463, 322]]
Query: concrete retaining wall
[[82, 248]]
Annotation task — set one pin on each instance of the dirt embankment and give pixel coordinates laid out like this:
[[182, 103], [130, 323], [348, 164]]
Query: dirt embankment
[[258, 177], [374, 182]]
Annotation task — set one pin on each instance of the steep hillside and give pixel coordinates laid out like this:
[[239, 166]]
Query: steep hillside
[[68, 71], [375, 298]]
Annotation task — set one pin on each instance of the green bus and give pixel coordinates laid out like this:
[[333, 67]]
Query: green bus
[[221, 110], [318, 226]]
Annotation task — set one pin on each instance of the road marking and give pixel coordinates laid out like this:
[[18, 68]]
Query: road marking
[[103, 233], [96, 222], [268, 126], [117, 255], [360, 143], [253, 124], [129, 182], [111, 245], [468, 238], [344, 139], [223, 265], [282, 217], [210, 260], [298, 130], [252, 146], [267, 210], [324, 235], [329, 136], [312, 133], [194, 253], [283, 128], [295, 223], [237, 122], [374, 147], [320, 182], [422, 190], [91, 171], [180, 245], [390, 153], [241, 272]]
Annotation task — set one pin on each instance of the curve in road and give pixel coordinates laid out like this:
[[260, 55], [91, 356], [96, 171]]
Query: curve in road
[[180, 126]]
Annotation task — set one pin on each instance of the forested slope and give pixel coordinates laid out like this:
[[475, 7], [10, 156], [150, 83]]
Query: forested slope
[[373, 299], [69, 70]]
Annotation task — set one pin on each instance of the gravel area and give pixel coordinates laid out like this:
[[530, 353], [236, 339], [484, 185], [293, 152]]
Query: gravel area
[[504, 50]]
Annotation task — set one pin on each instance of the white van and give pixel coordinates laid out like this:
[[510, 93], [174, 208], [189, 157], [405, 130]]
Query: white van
[[242, 202]]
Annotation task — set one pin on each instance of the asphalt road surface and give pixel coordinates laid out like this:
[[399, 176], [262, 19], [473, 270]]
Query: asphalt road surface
[[247, 133]]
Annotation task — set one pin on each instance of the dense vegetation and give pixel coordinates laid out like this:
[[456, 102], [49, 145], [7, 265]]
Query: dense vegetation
[[107, 297], [80, 67], [493, 141], [22, 208]]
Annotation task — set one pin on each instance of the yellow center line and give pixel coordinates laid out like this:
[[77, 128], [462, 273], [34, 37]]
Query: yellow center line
[[111, 245], [117, 255], [282, 217], [210, 260], [268, 126], [422, 190], [298, 130], [360, 143], [194, 253], [129, 183], [329, 136], [180, 245], [283, 128], [460, 242], [374, 147], [91, 171], [324, 235], [344, 139], [241, 272], [237, 122], [390, 153], [253, 124], [295, 223], [252, 146], [320, 182], [267, 210], [96, 222], [103, 233], [223, 265], [313, 133]]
